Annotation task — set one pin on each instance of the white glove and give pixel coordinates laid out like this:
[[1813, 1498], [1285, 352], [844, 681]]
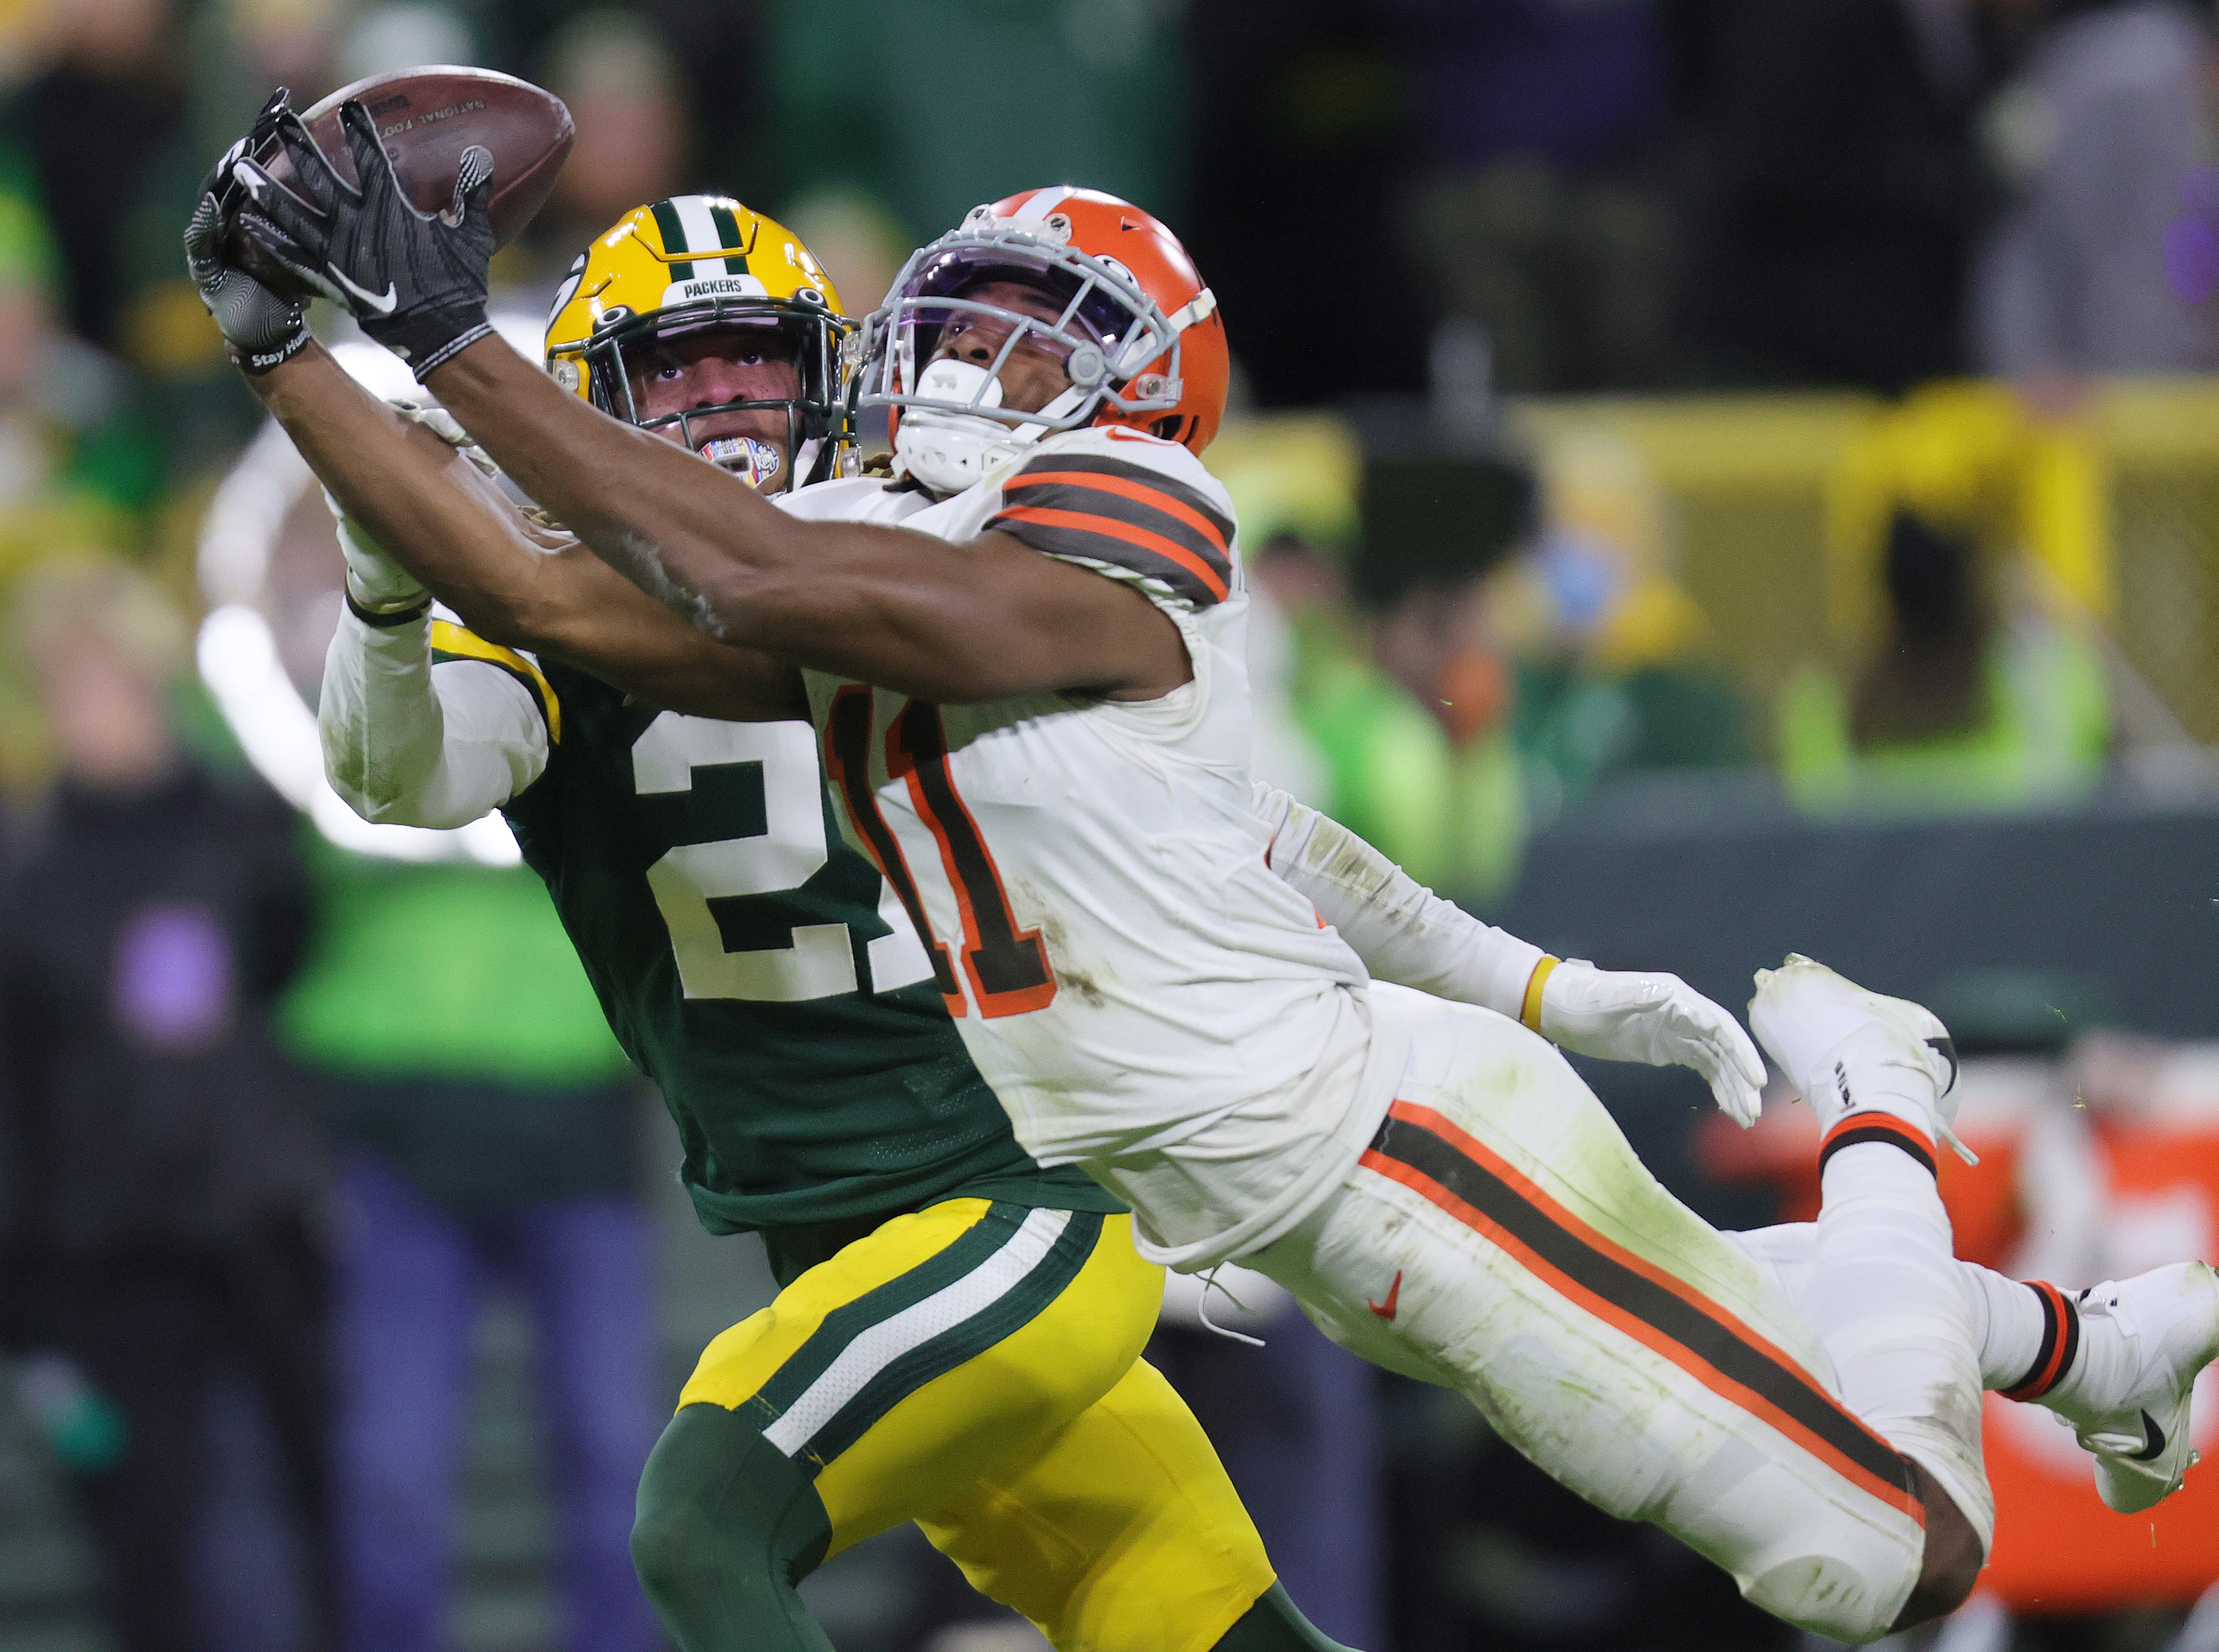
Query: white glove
[[1625, 1015], [375, 583]]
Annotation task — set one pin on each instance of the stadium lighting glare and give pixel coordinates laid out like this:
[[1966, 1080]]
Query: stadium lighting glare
[[237, 652], [238, 659]]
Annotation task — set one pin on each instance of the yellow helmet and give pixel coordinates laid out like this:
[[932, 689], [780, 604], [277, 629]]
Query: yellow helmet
[[689, 265]]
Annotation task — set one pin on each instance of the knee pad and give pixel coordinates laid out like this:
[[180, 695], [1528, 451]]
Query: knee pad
[[726, 1525]]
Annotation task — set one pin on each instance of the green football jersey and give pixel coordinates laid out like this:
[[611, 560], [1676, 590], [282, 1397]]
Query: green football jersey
[[756, 966]]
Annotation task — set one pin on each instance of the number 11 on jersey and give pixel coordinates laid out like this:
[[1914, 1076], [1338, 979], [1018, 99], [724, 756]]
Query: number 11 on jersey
[[1008, 968]]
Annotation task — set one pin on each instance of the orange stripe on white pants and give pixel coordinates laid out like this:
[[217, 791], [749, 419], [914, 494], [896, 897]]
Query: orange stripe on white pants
[[1613, 1409]]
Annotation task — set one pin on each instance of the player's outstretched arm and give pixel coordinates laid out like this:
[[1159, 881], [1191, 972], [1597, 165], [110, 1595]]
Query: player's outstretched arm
[[409, 743], [427, 507], [951, 624], [459, 534], [979, 621], [1406, 934]]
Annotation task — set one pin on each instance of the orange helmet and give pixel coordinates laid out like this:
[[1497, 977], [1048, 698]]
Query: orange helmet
[[1145, 346]]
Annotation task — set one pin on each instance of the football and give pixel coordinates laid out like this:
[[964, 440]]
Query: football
[[427, 117]]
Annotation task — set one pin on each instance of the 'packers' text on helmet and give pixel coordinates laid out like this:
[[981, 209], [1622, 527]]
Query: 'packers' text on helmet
[[696, 265], [1141, 339]]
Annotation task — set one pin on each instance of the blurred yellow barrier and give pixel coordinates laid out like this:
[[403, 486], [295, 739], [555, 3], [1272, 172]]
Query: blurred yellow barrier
[[2160, 442], [1779, 507], [1774, 510]]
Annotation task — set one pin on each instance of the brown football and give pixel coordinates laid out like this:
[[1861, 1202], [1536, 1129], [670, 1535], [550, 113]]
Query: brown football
[[428, 117]]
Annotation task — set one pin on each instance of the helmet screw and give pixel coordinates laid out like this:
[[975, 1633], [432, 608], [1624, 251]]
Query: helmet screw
[[1085, 366]]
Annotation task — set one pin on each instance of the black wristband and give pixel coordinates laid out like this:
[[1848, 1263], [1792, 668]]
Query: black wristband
[[388, 620], [425, 338], [445, 352]]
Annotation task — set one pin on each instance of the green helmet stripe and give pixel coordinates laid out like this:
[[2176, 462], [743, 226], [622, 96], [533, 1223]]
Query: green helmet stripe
[[728, 233], [673, 238]]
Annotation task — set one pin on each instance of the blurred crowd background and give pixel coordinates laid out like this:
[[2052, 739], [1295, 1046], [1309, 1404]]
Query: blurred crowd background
[[1715, 475]]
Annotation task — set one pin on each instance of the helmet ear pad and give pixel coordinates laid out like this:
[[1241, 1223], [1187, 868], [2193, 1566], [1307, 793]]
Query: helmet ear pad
[[1203, 371]]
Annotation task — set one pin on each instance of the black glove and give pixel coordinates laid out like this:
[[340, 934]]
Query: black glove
[[261, 328], [415, 281]]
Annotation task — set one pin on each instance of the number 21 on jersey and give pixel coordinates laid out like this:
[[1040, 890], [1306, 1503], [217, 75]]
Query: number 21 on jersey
[[790, 850], [1008, 968]]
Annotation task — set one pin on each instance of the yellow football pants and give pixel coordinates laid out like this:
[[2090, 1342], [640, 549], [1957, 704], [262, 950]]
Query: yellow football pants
[[975, 1368]]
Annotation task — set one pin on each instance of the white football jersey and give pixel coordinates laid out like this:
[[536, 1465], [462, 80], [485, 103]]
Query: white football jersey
[[1147, 998]]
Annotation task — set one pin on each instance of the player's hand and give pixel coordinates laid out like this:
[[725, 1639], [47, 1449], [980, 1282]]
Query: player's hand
[[448, 428], [1626, 1016], [415, 281], [375, 583], [261, 328]]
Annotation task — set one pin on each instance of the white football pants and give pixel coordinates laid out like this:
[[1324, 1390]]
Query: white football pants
[[1501, 1238]]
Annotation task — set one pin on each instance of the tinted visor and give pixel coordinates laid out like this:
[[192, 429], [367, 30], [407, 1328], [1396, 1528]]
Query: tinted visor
[[960, 272]]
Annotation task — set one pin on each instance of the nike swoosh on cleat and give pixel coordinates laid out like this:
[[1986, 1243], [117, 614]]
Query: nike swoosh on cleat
[[1386, 1310], [2154, 1438], [1946, 1049], [381, 302]]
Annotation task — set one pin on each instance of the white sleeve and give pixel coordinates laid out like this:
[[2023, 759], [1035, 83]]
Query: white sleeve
[[1402, 931], [409, 742]]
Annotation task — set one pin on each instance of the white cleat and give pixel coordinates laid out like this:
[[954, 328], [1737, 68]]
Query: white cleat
[[1809, 1019], [2142, 1342]]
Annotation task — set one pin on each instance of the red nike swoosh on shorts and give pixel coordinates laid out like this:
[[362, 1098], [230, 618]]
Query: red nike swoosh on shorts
[[1386, 1310]]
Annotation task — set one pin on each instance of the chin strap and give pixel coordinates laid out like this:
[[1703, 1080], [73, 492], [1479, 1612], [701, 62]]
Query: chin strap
[[1069, 402]]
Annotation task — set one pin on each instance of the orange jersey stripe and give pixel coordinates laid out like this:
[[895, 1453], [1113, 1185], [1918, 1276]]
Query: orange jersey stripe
[[1154, 498], [1212, 580]]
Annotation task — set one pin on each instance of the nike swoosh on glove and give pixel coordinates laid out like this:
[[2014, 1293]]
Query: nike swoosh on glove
[[1630, 1015], [415, 281], [261, 328]]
